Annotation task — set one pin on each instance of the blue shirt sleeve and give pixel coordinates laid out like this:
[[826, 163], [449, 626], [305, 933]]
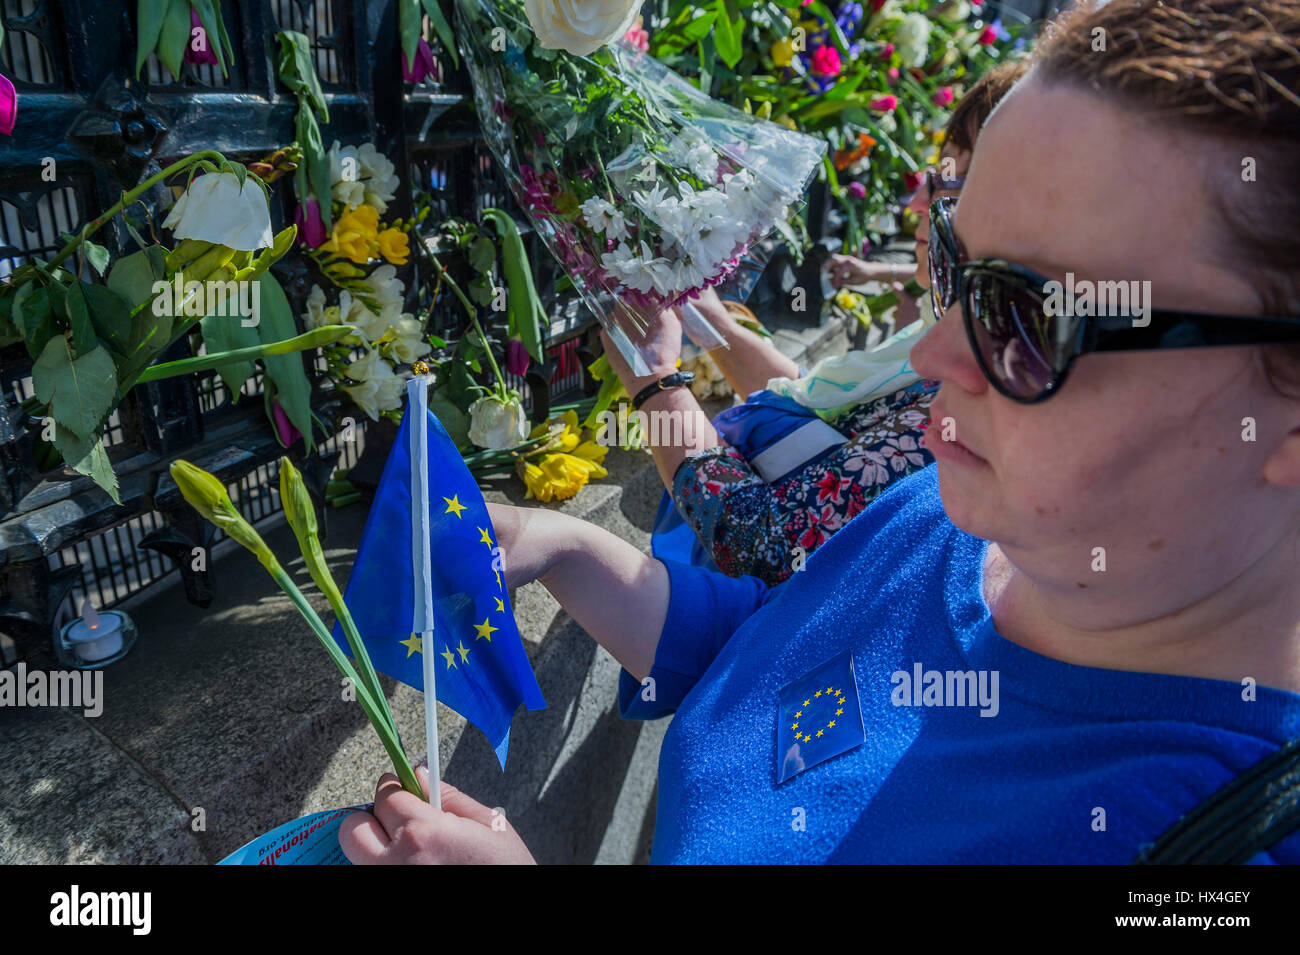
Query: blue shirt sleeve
[[704, 609]]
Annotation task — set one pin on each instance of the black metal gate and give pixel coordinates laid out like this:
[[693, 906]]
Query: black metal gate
[[86, 131]]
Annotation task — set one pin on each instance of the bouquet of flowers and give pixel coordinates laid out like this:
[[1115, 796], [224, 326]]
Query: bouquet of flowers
[[645, 189]]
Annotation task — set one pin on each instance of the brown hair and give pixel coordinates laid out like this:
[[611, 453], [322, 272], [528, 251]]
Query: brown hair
[[969, 114], [1229, 69]]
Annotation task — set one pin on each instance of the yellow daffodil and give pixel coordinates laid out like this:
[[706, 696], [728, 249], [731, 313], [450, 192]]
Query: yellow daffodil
[[356, 234], [395, 246]]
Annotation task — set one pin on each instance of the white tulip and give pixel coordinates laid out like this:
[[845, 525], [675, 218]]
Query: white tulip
[[215, 209], [498, 424], [580, 26]]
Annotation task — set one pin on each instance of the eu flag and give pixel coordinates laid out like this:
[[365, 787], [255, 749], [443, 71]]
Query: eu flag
[[482, 671], [818, 716]]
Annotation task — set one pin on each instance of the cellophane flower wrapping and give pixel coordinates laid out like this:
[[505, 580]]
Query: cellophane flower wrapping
[[644, 189]]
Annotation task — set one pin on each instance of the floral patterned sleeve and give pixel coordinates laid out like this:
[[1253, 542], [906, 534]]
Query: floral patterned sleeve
[[752, 527]]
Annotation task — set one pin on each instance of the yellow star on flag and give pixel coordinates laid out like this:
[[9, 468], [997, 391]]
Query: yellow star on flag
[[485, 537], [817, 694], [501, 608], [464, 654], [819, 732], [794, 726], [412, 644], [454, 506], [830, 724], [806, 702], [839, 712], [485, 630], [449, 657]]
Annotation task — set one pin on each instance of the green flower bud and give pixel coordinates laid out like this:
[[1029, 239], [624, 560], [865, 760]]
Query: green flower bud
[[301, 515], [207, 495]]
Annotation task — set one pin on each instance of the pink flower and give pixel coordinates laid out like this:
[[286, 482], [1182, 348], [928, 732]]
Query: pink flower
[[311, 228], [826, 61], [517, 359], [206, 56], [988, 36], [912, 180], [887, 52], [284, 429], [638, 38], [866, 248], [876, 5], [893, 75], [886, 104], [977, 3], [424, 65], [8, 105], [804, 3], [857, 190], [943, 96]]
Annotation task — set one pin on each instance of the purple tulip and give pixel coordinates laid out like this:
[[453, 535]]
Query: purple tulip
[[311, 228], [424, 65], [517, 360], [206, 56], [857, 190], [8, 106], [284, 429]]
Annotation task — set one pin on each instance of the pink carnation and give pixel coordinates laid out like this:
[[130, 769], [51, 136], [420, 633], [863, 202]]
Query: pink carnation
[[988, 36], [887, 52], [886, 104], [943, 96], [638, 38]]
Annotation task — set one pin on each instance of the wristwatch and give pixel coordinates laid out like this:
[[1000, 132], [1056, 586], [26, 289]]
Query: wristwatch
[[675, 380]]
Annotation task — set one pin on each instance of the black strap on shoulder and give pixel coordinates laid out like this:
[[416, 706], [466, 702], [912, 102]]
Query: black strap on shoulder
[[1249, 815]]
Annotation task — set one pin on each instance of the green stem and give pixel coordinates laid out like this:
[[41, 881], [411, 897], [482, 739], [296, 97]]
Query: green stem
[[129, 197], [184, 366], [473, 318], [360, 653], [387, 735]]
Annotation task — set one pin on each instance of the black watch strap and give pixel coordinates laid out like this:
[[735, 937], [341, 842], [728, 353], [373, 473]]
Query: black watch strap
[[675, 380]]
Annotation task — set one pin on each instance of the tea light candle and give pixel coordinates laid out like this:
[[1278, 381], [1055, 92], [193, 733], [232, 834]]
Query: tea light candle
[[94, 636]]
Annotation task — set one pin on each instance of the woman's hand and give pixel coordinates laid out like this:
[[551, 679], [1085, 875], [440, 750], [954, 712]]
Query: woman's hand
[[851, 270], [406, 830], [661, 349]]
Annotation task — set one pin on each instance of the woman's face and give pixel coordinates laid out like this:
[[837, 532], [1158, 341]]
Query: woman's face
[[1142, 453], [953, 162]]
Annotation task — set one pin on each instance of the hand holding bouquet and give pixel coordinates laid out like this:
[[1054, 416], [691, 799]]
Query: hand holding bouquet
[[644, 188]]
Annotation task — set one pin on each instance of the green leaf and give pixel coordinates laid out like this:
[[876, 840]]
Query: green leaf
[[453, 419], [408, 23], [174, 38], [482, 254], [442, 28], [286, 371], [700, 26], [87, 456], [222, 333], [83, 332], [111, 316], [148, 25], [726, 34], [36, 317], [315, 161], [80, 392], [297, 71], [527, 317]]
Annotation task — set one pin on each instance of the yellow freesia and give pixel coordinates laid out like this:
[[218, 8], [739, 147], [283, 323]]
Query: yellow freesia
[[395, 246], [356, 234]]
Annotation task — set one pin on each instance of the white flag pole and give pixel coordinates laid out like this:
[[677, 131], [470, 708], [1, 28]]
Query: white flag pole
[[417, 405]]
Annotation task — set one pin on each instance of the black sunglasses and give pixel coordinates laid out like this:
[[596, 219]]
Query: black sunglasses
[[1026, 343]]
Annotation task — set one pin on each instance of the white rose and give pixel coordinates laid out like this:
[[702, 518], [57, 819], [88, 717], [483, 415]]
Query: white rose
[[580, 26], [215, 209], [913, 39], [497, 424]]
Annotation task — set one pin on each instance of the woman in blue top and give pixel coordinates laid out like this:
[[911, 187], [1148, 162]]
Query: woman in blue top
[[1085, 619]]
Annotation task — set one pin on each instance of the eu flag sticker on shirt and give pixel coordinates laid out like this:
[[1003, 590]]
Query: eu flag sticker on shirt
[[820, 717]]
